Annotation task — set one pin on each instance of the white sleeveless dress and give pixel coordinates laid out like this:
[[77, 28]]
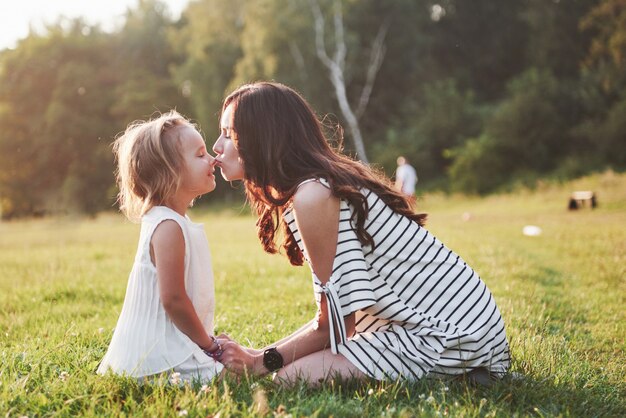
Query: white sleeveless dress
[[145, 341], [419, 308]]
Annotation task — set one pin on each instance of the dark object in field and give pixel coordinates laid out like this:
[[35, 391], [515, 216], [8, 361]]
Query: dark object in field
[[579, 199]]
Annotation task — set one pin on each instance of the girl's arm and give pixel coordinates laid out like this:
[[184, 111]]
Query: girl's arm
[[317, 216], [167, 249]]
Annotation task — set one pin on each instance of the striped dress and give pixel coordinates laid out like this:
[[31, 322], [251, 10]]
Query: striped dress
[[419, 308]]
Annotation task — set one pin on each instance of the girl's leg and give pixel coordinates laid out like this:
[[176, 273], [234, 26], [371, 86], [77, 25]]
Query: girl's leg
[[319, 367]]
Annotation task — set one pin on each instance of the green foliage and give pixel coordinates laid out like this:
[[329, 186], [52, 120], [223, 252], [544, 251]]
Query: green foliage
[[441, 120], [606, 61], [608, 135], [529, 133], [607, 53], [477, 167], [62, 285], [479, 95], [64, 98], [54, 117], [481, 44], [548, 47], [208, 42], [143, 57]]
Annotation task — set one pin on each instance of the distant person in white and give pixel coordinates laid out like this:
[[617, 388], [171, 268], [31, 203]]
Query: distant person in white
[[406, 177]]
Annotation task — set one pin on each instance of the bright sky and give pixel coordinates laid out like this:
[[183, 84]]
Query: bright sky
[[16, 16]]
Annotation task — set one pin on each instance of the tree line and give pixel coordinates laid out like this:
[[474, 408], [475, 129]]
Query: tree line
[[479, 95]]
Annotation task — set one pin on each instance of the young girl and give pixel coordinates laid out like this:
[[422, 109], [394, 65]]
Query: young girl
[[393, 301], [166, 324]]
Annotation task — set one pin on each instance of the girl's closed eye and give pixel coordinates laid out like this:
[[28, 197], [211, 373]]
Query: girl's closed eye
[[202, 152]]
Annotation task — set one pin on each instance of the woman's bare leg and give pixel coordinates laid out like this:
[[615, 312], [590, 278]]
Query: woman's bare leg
[[319, 367]]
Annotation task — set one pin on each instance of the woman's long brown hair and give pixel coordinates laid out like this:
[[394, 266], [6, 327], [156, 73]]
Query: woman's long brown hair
[[281, 143]]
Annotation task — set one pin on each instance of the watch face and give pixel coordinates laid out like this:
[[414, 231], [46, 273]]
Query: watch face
[[272, 360]]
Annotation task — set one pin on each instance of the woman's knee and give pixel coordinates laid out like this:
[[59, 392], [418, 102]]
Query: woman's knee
[[281, 374], [318, 367]]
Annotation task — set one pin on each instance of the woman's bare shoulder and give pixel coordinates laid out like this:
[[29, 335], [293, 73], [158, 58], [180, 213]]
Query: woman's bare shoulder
[[312, 196]]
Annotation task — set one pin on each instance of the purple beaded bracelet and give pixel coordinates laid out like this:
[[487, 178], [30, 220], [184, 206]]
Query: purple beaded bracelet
[[216, 354]]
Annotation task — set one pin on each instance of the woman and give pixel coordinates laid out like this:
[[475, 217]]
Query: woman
[[393, 301]]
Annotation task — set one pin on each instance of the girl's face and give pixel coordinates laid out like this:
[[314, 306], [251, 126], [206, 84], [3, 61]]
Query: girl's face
[[227, 158], [198, 177]]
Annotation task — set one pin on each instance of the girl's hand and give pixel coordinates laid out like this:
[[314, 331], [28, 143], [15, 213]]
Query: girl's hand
[[238, 359]]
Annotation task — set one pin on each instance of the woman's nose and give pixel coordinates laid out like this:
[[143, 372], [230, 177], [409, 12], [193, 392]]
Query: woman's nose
[[217, 147]]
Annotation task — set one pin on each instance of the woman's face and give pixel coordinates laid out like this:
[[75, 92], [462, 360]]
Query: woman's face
[[227, 155]]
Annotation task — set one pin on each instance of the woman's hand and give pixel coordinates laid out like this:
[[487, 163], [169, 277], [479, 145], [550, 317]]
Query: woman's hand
[[253, 351], [224, 338], [238, 359]]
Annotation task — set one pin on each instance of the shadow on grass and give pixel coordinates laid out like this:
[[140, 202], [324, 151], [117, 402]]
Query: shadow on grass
[[507, 397], [114, 395]]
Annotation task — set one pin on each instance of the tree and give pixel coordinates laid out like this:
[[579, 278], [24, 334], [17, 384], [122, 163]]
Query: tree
[[208, 40], [64, 95], [607, 52], [337, 69], [555, 42], [276, 44], [605, 63], [55, 95], [482, 44], [144, 56], [529, 134]]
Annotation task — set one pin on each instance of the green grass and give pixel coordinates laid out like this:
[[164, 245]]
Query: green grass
[[562, 295]]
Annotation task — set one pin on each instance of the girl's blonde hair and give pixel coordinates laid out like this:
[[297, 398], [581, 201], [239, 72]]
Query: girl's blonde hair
[[149, 163]]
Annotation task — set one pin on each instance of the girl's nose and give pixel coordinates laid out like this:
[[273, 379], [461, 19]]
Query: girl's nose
[[211, 159]]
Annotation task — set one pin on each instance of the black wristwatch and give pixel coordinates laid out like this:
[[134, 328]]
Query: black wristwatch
[[272, 360]]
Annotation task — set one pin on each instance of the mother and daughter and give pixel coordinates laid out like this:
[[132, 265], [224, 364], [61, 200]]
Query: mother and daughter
[[393, 302]]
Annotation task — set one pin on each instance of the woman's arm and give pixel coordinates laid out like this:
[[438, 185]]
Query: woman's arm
[[317, 216], [292, 335], [167, 250], [223, 339]]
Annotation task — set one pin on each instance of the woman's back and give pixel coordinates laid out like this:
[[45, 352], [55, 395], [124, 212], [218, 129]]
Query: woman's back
[[419, 307]]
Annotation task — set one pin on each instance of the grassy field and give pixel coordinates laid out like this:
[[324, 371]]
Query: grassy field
[[562, 295]]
